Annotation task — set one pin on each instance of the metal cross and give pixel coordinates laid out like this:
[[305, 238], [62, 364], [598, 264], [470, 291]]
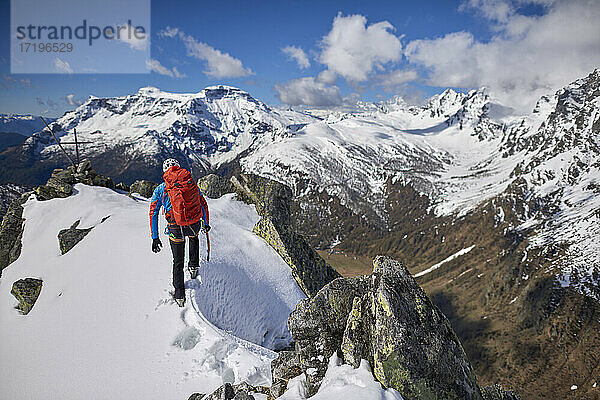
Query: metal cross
[[59, 143]]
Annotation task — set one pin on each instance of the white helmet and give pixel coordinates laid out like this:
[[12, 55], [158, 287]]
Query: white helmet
[[168, 163]]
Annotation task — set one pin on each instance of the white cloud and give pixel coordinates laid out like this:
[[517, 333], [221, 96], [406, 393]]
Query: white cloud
[[220, 65], [297, 54], [72, 101], [126, 35], [393, 79], [327, 76], [528, 56], [63, 66], [495, 10], [353, 50], [308, 91], [155, 66]]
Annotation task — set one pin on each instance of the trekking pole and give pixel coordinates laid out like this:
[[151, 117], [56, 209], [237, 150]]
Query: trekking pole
[[58, 142], [207, 247]]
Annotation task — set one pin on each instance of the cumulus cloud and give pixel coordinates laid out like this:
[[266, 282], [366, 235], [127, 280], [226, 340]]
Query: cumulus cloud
[[298, 55], [219, 64], [308, 91], [397, 78], [529, 55], [327, 76], [62, 66], [353, 50], [155, 66]]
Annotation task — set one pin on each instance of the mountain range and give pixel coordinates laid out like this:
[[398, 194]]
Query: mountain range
[[497, 214]]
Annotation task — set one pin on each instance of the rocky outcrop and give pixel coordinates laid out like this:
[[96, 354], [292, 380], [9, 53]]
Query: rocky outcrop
[[59, 185], [242, 391], [496, 392], [272, 201], [61, 182], [213, 186], [68, 238], [387, 319], [11, 231], [143, 187], [26, 291]]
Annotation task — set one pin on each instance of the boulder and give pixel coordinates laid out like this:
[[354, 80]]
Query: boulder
[[272, 202], [388, 320], [26, 291], [242, 391], [68, 238], [213, 186], [52, 189], [104, 181], [143, 187]]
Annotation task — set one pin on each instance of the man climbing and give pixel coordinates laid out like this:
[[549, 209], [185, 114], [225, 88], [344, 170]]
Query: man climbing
[[186, 212]]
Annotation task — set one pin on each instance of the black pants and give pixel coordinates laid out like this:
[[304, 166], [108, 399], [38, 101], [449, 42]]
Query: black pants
[[178, 250]]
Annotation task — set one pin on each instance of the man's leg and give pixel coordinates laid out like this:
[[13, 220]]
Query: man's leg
[[178, 250], [194, 251]]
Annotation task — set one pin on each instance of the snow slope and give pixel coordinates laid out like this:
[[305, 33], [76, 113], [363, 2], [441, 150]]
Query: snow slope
[[105, 326]]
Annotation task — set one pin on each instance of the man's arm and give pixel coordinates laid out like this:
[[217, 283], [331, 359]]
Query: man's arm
[[155, 205]]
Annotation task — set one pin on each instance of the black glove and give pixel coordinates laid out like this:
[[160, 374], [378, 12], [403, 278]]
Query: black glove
[[156, 245], [205, 228]]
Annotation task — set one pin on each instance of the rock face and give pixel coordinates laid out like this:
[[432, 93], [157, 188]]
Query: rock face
[[387, 319], [11, 231], [68, 238], [272, 201], [26, 292], [214, 186], [143, 187]]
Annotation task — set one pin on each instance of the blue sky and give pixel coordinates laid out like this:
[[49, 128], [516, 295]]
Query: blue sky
[[410, 48]]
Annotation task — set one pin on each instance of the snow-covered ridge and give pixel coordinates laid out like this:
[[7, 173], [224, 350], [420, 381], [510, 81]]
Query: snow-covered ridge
[[106, 321]]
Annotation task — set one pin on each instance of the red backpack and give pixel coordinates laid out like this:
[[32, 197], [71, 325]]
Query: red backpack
[[184, 196]]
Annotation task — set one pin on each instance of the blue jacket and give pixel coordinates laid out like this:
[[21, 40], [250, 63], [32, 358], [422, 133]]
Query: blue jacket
[[160, 198]]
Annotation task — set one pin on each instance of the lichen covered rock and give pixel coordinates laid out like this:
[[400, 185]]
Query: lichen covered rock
[[26, 291], [68, 238], [496, 392], [214, 186], [242, 391], [11, 232], [388, 320], [143, 187], [272, 202]]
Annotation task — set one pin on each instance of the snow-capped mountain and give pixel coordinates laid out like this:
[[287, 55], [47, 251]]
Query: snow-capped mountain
[[459, 150], [205, 130], [24, 124]]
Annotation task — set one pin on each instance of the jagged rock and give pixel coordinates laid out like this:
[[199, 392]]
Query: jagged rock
[[11, 232], [283, 368], [104, 181], [26, 292], [68, 238], [52, 189], [214, 186], [197, 396], [387, 319], [271, 200], [85, 165], [143, 187], [496, 392], [241, 391]]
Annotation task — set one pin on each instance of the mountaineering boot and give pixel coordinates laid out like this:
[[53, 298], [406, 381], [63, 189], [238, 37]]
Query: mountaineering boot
[[193, 271], [180, 302]]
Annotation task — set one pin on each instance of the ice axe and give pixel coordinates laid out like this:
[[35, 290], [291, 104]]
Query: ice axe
[[207, 247]]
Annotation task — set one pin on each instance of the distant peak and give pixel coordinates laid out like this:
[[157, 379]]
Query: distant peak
[[149, 90]]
